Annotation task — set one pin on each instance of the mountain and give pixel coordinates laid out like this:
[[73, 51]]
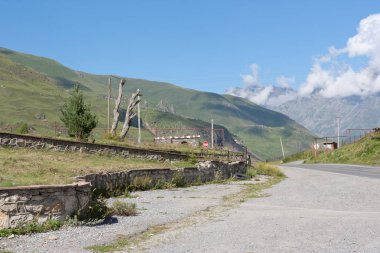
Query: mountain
[[319, 114], [31, 86]]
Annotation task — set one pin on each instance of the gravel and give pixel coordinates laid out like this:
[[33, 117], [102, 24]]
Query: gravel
[[154, 208], [311, 211]]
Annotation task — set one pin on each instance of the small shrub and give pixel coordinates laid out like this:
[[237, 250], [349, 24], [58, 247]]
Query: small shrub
[[127, 194], [96, 211], [218, 176], [23, 128], [178, 180], [192, 159], [251, 172], [160, 184], [141, 184], [123, 208], [31, 227], [268, 169]]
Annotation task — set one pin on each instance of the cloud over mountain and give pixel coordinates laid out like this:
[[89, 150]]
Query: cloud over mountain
[[332, 75]]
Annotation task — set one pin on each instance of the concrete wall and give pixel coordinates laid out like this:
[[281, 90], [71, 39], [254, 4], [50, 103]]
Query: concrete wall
[[17, 140], [23, 204]]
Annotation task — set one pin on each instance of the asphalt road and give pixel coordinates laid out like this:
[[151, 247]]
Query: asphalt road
[[356, 170], [312, 211]]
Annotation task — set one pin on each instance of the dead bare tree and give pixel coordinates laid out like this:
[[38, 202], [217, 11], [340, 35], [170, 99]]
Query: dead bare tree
[[116, 109], [130, 114]]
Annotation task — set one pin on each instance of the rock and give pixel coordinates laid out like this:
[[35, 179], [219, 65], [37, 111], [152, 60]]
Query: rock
[[52, 238], [11, 236]]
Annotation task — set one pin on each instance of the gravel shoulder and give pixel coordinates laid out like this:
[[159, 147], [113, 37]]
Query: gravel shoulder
[[155, 208], [311, 211]]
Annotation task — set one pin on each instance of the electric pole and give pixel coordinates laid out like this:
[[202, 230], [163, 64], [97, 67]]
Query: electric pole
[[282, 148], [212, 134], [338, 118], [109, 98], [138, 123]]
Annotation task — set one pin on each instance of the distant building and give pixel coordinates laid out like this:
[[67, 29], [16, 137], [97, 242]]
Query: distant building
[[190, 140]]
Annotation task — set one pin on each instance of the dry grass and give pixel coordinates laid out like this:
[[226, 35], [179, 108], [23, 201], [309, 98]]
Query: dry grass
[[265, 169], [29, 167]]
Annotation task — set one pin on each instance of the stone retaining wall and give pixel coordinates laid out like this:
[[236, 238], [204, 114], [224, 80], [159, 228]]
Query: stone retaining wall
[[19, 205], [17, 140], [114, 183]]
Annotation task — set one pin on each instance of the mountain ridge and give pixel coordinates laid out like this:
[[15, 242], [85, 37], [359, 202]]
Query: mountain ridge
[[49, 80]]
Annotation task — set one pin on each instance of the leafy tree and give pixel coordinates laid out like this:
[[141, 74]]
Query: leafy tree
[[77, 116]]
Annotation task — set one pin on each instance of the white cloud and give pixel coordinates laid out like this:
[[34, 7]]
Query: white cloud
[[331, 75], [252, 80], [340, 79]]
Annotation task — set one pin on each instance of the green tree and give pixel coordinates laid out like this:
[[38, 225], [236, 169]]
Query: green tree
[[77, 116]]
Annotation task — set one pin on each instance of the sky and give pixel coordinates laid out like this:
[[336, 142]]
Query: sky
[[214, 46]]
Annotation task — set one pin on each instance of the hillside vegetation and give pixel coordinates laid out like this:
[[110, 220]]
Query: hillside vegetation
[[31, 85], [365, 151]]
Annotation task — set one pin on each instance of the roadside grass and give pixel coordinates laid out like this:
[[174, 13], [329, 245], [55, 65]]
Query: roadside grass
[[21, 167], [122, 208], [265, 169], [32, 227], [365, 151], [123, 241]]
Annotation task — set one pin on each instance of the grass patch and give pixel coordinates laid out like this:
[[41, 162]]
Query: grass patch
[[365, 151], [23, 166], [32, 227], [265, 169], [122, 208], [123, 242]]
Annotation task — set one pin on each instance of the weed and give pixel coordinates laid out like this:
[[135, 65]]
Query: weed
[[123, 208], [31, 227], [23, 128], [141, 184], [178, 179], [265, 169], [127, 194]]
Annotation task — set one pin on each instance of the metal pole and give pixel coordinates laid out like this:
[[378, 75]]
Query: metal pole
[[282, 148], [138, 123], [338, 131], [109, 98], [212, 133]]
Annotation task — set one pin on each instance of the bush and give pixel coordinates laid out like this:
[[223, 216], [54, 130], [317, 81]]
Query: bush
[[123, 208], [140, 184], [192, 159], [268, 169], [23, 128], [178, 180], [96, 211], [31, 227]]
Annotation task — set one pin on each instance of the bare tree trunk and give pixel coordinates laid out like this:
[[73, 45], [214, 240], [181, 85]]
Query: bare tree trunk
[[116, 109], [129, 115]]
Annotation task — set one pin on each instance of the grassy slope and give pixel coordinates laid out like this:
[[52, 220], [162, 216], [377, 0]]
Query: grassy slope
[[240, 116], [29, 167], [366, 151]]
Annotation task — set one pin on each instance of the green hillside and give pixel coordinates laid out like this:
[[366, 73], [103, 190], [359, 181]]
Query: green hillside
[[30, 85], [365, 151]]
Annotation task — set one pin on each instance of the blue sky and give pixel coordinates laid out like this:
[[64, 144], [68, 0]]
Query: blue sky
[[205, 45]]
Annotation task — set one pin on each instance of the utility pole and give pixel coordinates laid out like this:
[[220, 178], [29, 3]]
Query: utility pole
[[212, 134], [109, 98], [338, 118], [282, 148], [138, 123]]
